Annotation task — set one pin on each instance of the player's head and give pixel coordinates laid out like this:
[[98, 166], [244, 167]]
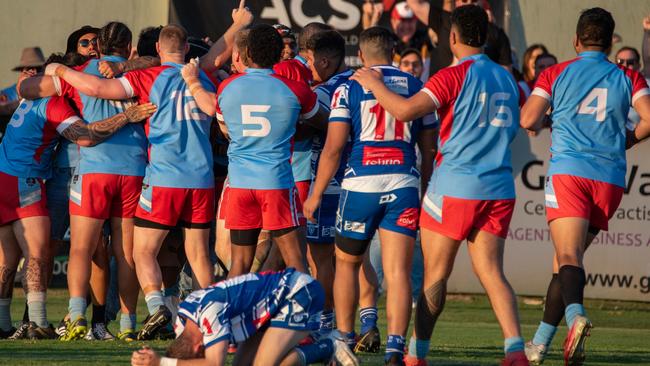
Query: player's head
[[594, 31], [264, 46], [114, 39], [172, 42], [240, 51], [188, 344], [376, 46], [289, 40], [83, 41], [147, 41], [411, 62], [629, 57], [325, 54], [308, 31], [469, 26], [543, 62]]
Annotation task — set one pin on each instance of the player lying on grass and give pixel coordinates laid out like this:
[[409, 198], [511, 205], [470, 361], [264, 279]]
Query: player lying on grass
[[266, 314]]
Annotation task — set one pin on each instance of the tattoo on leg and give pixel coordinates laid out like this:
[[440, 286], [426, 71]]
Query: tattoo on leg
[[7, 276], [429, 307], [36, 275]]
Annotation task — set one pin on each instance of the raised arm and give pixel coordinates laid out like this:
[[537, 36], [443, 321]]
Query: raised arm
[[403, 109], [204, 99], [221, 50], [91, 134], [330, 158], [112, 69], [90, 85]]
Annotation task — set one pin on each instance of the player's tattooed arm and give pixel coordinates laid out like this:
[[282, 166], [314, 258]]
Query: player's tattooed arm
[[90, 134], [112, 69], [204, 99], [221, 50]]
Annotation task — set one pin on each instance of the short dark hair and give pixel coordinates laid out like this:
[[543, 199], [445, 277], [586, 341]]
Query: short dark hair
[[546, 55], [114, 38], [377, 42], [471, 21], [595, 28], [265, 50], [308, 31], [173, 37], [329, 43], [147, 41], [631, 49], [72, 59]]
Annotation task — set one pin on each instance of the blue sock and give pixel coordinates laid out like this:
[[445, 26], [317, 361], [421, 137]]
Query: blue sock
[[327, 321], [395, 344], [368, 317], [154, 301], [77, 308], [513, 344], [316, 352], [36, 308], [571, 311], [5, 314], [351, 339], [419, 348], [544, 334], [127, 322]]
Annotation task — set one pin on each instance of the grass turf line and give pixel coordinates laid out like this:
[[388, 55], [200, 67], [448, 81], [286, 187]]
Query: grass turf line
[[466, 334]]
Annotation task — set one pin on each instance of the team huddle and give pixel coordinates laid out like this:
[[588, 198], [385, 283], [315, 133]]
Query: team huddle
[[320, 159]]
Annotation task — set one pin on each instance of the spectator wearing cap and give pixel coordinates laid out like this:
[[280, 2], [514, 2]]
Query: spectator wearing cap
[[83, 41], [289, 39], [31, 60]]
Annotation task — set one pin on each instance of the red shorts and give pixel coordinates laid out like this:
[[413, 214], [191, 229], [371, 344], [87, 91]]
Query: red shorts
[[21, 198], [269, 209], [457, 217], [102, 196], [303, 189], [571, 196], [169, 206]]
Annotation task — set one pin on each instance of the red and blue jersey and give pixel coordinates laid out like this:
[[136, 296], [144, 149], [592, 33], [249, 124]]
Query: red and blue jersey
[[381, 145], [125, 152], [236, 308], [297, 69], [590, 99], [478, 104], [261, 110], [180, 154], [325, 93], [31, 136]]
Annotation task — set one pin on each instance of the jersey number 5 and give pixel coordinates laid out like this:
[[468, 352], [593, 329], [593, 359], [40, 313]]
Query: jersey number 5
[[248, 120], [600, 96]]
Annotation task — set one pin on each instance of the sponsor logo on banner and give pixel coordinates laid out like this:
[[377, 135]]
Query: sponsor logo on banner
[[382, 156], [354, 226], [408, 219]]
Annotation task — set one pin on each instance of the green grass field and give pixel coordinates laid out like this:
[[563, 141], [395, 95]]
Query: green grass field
[[466, 334]]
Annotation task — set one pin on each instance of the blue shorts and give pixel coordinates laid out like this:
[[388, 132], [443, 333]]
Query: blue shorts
[[322, 232], [302, 308], [361, 214], [58, 197]]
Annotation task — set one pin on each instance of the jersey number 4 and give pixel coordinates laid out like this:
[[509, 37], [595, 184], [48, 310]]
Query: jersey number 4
[[600, 110]]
